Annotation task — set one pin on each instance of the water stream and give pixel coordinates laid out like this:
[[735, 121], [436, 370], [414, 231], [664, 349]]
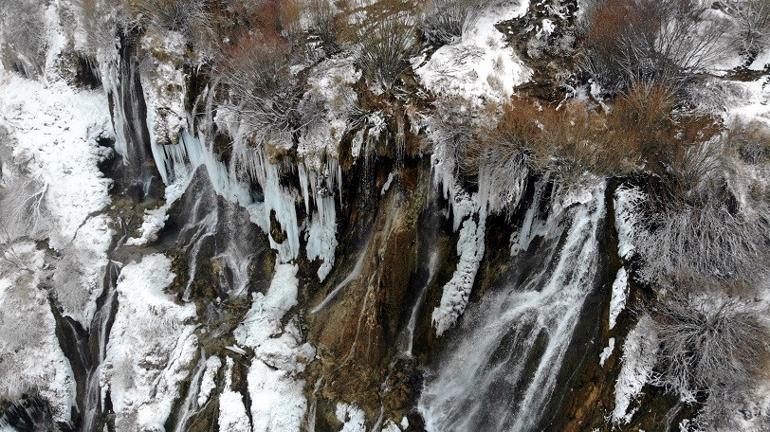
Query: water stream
[[499, 371]]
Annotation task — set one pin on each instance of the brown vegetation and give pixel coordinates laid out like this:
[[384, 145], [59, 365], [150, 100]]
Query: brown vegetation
[[626, 41], [640, 131]]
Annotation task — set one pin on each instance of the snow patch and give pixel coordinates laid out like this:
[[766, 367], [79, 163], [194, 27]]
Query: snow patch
[[277, 399], [626, 222], [619, 295], [155, 219], [607, 351], [480, 66], [208, 384], [32, 359], [638, 361], [54, 131], [351, 416], [232, 411]]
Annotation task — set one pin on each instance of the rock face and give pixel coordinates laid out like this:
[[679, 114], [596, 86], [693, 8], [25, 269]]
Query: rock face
[[173, 267]]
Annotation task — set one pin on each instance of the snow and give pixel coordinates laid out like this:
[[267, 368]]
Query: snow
[[54, 129], [263, 320], [232, 411], [747, 101], [390, 427], [619, 295], [152, 346], [208, 384], [277, 399], [480, 66], [32, 359], [607, 351], [639, 356], [388, 182], [626, 223], [351, 416]]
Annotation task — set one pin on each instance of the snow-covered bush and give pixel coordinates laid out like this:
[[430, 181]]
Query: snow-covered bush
[[22, 36], [23, 213], [321, 17], [697, 221], [712, 349], [666, 41], [751, 141], [752, 25], [176, 15], [256, 69], [444, 20], [387, 46]]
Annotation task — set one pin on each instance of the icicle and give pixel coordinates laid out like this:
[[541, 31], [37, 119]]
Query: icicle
[[321, 237], [304, 187]]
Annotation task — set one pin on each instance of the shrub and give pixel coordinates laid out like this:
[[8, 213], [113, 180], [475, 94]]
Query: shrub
[[662, 41], [257, 70], [177, 15], [22, 36], [387, 46], [698, 220], [751, 31], [23, 213], [443, 20], [751, 141], [712, 348], [566, 142], [322, 23]]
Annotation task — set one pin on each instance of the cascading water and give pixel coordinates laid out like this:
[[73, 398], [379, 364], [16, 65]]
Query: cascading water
[[499, 372], [93, 398], [190, 404], [129, 116], [406, 340]]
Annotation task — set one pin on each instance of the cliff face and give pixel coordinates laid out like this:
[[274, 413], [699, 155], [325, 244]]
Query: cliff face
[[179, 267]]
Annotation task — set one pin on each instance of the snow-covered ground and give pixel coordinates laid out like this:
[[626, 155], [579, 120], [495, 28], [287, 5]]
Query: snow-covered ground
[[480, 66], [53, 130], [151, 348]]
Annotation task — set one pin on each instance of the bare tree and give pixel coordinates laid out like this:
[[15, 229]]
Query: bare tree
[[752, 25]]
